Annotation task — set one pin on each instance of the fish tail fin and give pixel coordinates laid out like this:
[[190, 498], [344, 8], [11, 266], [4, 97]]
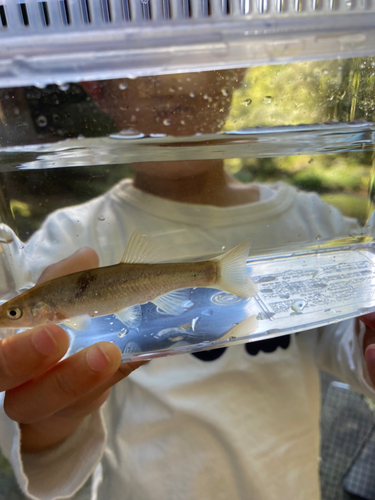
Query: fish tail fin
[[232, 275]]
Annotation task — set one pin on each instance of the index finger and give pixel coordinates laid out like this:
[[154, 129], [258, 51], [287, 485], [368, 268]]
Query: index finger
[[30, 353]]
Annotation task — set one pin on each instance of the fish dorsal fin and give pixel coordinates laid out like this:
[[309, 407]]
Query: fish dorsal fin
[[78, 323], [172, 303], [141, 249]]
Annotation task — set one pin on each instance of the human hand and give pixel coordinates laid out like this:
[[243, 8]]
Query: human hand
[[49, 397], [369, 344]]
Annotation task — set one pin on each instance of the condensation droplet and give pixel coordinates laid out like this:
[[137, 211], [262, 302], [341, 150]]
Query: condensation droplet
[[268, 99], [41, 121], [123, 86], [247, 102], [298, 306], [122, 333], [166, 122]]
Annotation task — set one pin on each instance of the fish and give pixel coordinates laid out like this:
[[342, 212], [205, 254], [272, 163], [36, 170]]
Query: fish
[[120, 289]]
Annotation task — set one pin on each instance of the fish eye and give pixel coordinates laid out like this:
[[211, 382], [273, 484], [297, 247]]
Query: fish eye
[[14, 313]]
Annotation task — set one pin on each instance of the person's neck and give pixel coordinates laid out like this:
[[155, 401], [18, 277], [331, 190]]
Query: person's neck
[[210, 186]]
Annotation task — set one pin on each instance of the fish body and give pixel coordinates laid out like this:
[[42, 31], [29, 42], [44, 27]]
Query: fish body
[[120, 288]]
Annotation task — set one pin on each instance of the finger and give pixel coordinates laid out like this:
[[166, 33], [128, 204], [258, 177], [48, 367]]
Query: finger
[[368, 320], [95, 398], [82, 259], [65, 383], [30, 353]]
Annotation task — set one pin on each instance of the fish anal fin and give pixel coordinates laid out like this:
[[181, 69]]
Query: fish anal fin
[[243, 329], [141, 248], [131, 317], [78, 323], [172, 303]]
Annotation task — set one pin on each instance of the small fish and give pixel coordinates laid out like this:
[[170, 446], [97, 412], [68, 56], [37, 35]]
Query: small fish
[[120, 289]]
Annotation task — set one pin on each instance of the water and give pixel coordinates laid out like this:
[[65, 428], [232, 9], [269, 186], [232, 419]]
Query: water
[[200, 189]]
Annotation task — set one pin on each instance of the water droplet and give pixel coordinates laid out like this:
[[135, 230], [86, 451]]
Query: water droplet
[[207, 312], [122, 332], [192, 94], [298, 306], [194, 323], [166, 122], [64, 86], [268, 99], [247, 102], [41, 121], [101, 217]]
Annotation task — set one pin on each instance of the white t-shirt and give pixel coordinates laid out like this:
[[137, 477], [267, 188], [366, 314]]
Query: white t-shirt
[[242, 425]]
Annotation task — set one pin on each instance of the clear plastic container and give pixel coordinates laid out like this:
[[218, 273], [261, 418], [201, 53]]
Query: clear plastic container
[[204, 124]]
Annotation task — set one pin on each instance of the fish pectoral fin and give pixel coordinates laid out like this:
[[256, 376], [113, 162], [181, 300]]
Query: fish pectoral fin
[[78, 323], [141, 249], [172, 303], [243, 329], [130, 316]]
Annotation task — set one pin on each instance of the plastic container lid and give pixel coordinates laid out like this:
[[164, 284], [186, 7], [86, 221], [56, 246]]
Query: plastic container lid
[[55, 41]]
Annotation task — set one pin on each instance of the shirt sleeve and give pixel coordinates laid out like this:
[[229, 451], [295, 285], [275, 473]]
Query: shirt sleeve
[[339, 351], [60, 472]]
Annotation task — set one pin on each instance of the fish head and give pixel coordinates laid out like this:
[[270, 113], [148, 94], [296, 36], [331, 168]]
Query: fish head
[[16, 313]]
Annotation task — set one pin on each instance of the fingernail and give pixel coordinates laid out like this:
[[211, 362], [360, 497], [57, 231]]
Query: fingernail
[[97, 358], [44, 342], [370, 354]]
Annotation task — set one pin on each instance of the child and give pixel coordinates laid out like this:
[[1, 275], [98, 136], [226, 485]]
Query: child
[[238, 423]]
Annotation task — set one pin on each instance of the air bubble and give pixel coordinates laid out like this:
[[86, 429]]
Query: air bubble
[[41, 121], [122, 332], [298, 306]]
